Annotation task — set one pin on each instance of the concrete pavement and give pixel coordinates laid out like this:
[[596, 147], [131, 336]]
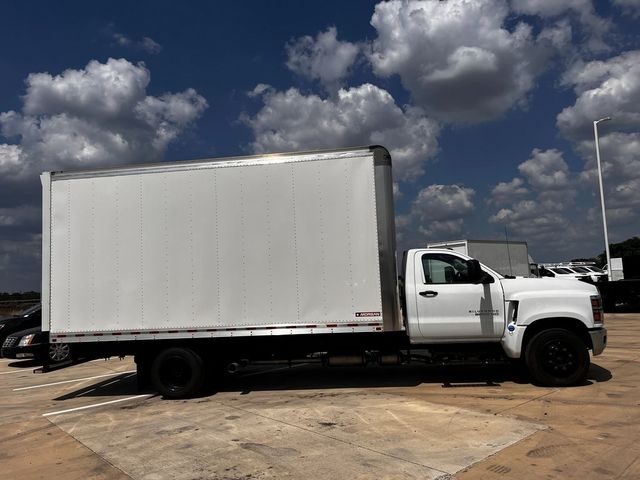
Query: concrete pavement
[[391, 422]]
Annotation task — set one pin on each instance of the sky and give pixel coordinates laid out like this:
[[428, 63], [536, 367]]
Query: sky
[[485, 105]]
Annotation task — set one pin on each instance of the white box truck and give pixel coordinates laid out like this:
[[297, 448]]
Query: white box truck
[[507, 257], [190, 266]]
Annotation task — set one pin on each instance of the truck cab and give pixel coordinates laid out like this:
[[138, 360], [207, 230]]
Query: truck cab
[[549, 323]]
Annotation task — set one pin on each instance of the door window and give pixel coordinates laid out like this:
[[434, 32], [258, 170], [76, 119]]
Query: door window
[[442, 268]]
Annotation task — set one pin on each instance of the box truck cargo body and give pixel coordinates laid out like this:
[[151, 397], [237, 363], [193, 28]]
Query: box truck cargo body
[[272, 245], [201, 266]]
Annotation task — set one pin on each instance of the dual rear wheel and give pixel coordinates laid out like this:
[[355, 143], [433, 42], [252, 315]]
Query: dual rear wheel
[[178, 372]]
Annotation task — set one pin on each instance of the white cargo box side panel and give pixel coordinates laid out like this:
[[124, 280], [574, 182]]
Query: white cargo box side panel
[[266, 244]]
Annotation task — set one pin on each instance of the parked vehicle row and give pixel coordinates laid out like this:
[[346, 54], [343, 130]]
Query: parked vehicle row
[[28, 318], [572, 270], [21, 337]]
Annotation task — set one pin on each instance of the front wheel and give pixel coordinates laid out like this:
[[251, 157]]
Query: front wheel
[[557, 358], [177, 372]]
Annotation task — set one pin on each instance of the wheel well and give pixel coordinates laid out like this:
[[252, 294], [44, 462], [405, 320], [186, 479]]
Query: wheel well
[[571, 324]]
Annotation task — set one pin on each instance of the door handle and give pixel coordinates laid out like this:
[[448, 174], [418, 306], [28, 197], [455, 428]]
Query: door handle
[[429, 293]]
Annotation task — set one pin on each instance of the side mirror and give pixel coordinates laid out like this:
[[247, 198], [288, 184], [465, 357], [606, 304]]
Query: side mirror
[[475, 273]]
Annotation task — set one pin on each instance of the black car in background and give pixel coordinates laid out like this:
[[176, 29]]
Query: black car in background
[[29, 318], [33, 343]]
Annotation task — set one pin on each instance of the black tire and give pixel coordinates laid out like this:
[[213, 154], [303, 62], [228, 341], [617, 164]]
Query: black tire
[[177, 372], [557, 358]]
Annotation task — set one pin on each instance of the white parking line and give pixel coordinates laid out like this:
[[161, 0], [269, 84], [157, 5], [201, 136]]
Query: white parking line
[[72, 381], [97, 405], [116, 380], [16, 371]]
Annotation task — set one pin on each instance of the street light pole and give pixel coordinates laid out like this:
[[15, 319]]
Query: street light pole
[[604, 214]]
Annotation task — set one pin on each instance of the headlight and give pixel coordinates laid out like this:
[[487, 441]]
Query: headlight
[[26, 340]]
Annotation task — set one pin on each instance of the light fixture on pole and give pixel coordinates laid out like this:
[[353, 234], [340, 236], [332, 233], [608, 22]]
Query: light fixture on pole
[[604, 215]]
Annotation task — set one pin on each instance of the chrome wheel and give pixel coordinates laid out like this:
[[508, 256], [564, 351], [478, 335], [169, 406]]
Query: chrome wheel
[[59, 352]]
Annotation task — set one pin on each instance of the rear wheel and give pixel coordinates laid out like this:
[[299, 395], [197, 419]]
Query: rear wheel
[[177, 372], [557, 358]]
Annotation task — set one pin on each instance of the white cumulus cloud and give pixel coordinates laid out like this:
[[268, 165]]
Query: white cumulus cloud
[[593, 26], [620, 155], [630, 7], [21, 215], [506, 192], [147, 44], [537, 206], [361, 115], [92, 116], [323, 58], [546, 170], [436, 213], [603, 88], [443, 202], [457, 58]]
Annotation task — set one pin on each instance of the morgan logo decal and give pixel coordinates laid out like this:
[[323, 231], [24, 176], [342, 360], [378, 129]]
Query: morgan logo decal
[[368, 314]]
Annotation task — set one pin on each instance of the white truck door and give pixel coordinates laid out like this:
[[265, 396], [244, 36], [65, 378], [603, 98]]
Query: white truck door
[[449, 307]]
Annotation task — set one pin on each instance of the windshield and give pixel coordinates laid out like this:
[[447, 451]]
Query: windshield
[[580, 269], [30, 310], [594, 269], [561, 271]]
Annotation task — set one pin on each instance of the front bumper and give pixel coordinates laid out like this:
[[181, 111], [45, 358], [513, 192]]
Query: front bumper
[[598, 340], [28, 351]]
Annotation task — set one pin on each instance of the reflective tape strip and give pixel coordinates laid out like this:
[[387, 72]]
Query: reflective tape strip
[[222, 329]]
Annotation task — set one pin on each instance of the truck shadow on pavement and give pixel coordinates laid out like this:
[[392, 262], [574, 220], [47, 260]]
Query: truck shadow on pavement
[[25, 364], [117, 385], [373, 377], [314, 377]]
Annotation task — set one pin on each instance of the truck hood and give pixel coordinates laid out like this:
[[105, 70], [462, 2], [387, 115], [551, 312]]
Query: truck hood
[[516, 288]]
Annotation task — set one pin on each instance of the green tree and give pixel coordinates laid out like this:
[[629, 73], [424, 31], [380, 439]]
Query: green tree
[[627, 248], [20, 296]]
